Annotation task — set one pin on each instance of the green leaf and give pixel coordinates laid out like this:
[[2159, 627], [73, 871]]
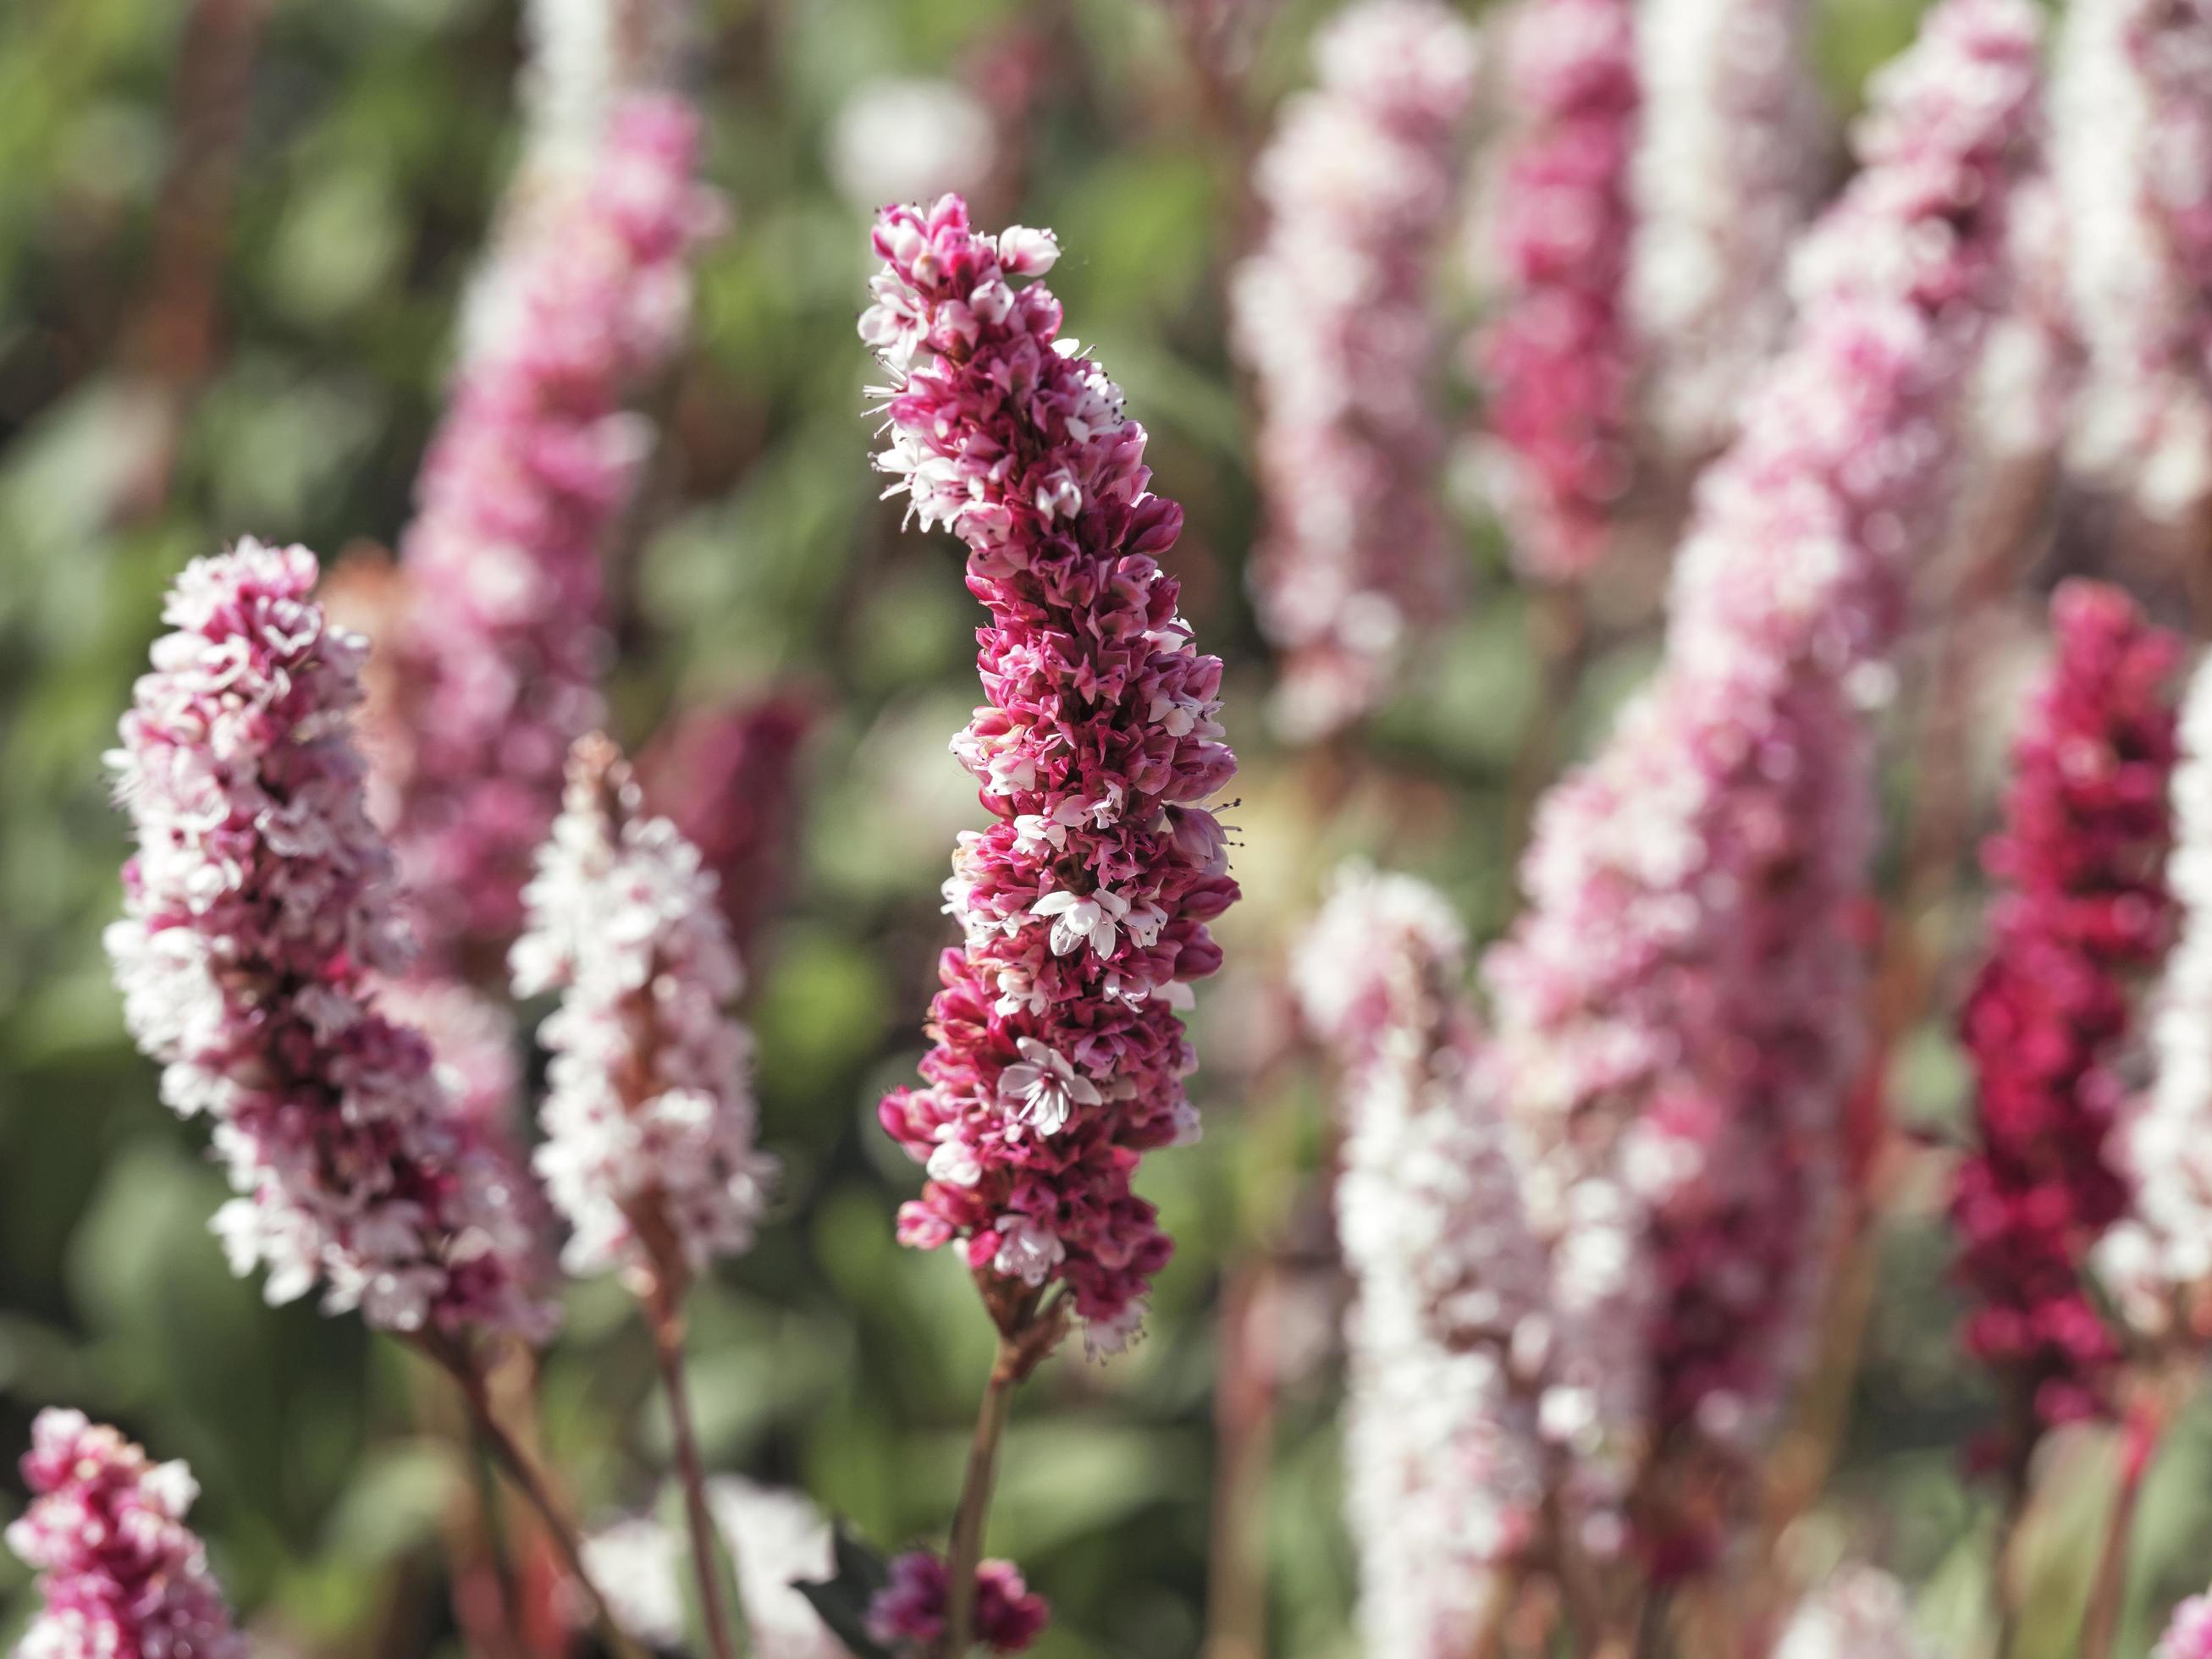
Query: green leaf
[[842, 1600]]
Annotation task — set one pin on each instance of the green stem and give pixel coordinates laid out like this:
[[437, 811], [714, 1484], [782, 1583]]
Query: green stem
[[966, 1552], [668, 1349]]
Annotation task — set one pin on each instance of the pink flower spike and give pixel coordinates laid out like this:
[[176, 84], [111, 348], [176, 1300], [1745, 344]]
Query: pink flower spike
[[120, 1575], [1333, 315], [1559, 361], [1679, 1013], [2157, 1261], [648, 1114], [501, 641], [1445, 1474], [2081, 911], [1729, 163], [258, 918], [2131, 108], [1059, 1053], [908, 1613]]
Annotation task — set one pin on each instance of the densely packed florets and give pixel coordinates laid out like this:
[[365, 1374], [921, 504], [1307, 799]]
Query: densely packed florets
[[648, 1114], [908, 1613], [2159, 1259], [1679, 1012], [1333, 313], [1059, 1055], [1728, 165], [259, 912], [1444, 1476], [2081, 912], [498, 649], [2132, 108], [1559, 363], [120, 1575]]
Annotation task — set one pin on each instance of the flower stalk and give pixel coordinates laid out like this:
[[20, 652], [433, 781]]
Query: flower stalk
[[1031, 1333]]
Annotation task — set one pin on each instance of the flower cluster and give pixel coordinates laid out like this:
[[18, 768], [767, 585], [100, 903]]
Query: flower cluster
[[1333, 315], [1059, 1054], [2082, 910], [122, 1576], [909, 1612], [726, 776], [777, 1539], [497, 650], [1679, 1011], [2188, 1635], [1859, 1612], [583, 62], [1445, 1481], [1728, 165], [2158, 1259], [2132, 110], [1559, 363], [259, 911], [647, 1115]]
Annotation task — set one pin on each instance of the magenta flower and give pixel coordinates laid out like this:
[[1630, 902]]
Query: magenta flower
[[1060, 1056], [1559, 360], [1333, 313], [498, 650], [909, 1612], [2083, 912], [120, 1575], [1679, 1012], [2132, 108], [1445, 1477], [258, 912], [648, 1114]]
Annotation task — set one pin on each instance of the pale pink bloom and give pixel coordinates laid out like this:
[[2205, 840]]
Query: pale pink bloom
[[777, 1537], [499, 640], [1729, 161], [2160, 1258], [259, 916], [2188, 1635], [1333, 315], [1445, 1472], [121, 1576], [2032, 368], [2132, 112], [1858, 1613], [648, 1114], [1679, 1012]]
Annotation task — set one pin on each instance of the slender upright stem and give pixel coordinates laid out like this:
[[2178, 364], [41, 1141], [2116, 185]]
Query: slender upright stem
[[1244, 1423], [668, 1347], [2100, 1625], [523, 1473], [966, 1552], [2003, 1587]]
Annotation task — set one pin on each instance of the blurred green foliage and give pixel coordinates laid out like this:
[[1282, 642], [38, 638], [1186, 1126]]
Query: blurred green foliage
[[377, 134]]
